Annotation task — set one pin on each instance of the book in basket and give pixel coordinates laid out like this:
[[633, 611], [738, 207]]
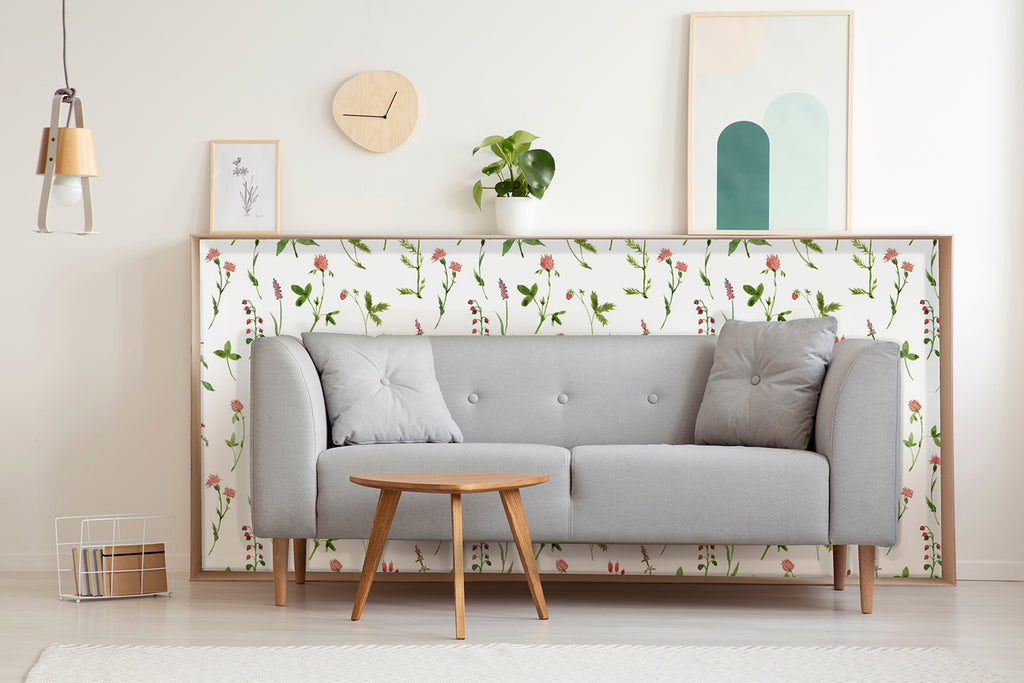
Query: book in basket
[[134, 569]]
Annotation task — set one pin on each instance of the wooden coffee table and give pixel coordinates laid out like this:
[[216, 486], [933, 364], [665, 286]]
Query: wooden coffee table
[[455, 484]]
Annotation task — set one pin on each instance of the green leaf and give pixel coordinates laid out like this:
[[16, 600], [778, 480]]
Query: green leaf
[[494, 167], [207, 385], [931, 280], [679, 571], [760, 243], [732, 246], [749, 289], [478, 193], [253, 280], [488, 142], [936, 436], [534, 243], [281, 246], [521, 137], [360, 246], [586, 246], [506, 245], [538, 167], [308, 243], [631, 290]]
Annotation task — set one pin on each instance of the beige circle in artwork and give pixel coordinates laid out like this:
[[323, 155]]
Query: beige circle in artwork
[[724, 45], [376, 109]]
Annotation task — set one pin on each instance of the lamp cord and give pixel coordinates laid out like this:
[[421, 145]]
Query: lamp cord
[[67, 91]]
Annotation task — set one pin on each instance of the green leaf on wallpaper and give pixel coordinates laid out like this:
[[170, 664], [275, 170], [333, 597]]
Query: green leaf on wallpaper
[[679, 571], [253, 280], [207, 385], [586, 246], [755, 293], [812, 246], [732, 246], [281, 246], [936, 436], [555, 319], [704, 279], [360, 246], [905, 573], [329, 318], [781, 317], [479, 279], [528, 294], [905, 352], [760, 243], [308, 243], [931, 505], [303, 293], [931, 280], [506, 246]]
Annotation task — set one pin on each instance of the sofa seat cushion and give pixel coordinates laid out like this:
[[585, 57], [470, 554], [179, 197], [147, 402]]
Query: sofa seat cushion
[[699, 494], [345, 510]]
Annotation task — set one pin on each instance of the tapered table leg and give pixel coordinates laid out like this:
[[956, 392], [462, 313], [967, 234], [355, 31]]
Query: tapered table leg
[[460, 587], [513, 503], [866, 561], [280, 571], [382, 519]]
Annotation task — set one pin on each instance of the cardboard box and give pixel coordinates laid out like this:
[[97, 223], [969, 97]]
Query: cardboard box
[[134, 569]]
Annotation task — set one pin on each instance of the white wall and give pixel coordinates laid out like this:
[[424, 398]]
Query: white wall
[[94, 355]]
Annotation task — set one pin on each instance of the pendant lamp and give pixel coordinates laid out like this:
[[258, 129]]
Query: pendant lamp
[[67, 156]]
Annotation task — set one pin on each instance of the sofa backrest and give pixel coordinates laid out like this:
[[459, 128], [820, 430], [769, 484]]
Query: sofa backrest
[[574, 390]]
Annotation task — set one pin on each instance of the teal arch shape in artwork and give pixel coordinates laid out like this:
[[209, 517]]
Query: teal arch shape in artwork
[[797, 124], [743, 176]]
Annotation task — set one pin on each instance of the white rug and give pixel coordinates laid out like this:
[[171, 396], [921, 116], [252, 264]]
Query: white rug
[[458, 662]]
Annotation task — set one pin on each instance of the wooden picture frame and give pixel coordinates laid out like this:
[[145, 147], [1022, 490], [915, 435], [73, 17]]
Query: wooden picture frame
[[245, 186], [769, 123]]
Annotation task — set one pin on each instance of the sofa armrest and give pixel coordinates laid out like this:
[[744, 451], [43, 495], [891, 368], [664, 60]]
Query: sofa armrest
[[289, 431], [857, 429]]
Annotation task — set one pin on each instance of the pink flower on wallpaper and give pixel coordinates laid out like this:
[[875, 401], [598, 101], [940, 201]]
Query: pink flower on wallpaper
[[320, 262], [890, 254], [664, 254], [907, 493], [277, 289], [914, 406], [908, 266], [787, 565], [547, 262], [212, 254], [610, 566], [561, 565], [335, 565], [729, 294], [229, 492], [212, 480], [935, 460], [871, 328], [772, 262], [643, 327], [438, 254], [229, 266], [236, 406], [456, 267], [502, 288], [681, 267]]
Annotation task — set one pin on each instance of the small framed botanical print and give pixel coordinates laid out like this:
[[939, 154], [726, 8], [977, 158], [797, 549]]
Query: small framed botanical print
[[245, 186]]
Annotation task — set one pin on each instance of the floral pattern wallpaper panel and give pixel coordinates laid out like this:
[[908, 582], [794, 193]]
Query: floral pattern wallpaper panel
[[878, 288]]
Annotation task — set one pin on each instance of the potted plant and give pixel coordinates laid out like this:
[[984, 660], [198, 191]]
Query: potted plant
[[523, 175]]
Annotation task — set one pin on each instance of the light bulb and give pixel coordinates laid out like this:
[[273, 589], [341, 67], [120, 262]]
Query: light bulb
[[67, 189]]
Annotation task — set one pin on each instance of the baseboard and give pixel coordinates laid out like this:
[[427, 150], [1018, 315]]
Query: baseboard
[[46, 562], [978, 570]]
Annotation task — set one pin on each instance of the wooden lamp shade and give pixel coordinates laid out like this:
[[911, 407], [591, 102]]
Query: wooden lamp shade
[[75, 155]]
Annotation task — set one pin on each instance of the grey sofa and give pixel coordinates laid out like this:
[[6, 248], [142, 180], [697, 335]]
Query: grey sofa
[[612, 421]]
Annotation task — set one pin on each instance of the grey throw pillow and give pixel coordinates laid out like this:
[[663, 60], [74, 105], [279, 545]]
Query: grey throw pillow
[[380, 389], [764, 383]]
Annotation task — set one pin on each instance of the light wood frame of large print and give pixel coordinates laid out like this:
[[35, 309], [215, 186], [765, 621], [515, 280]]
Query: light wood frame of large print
[[289, 257], [769, 115], [245, 187]]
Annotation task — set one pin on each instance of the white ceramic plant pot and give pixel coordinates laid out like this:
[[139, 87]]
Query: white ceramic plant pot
[[515, 215]]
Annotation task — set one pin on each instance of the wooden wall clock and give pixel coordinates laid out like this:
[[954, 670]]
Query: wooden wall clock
[[376, 109]]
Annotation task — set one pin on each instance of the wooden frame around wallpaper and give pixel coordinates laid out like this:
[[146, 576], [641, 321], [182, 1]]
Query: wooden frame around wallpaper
[[947, 507]]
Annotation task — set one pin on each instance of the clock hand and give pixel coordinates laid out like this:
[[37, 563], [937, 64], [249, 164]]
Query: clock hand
[[366, 116], [389, 104]]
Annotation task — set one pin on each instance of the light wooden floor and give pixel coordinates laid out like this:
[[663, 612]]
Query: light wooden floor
[[981, 621]]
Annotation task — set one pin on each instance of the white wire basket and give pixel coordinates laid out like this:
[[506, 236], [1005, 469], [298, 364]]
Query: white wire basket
[[114, 556]]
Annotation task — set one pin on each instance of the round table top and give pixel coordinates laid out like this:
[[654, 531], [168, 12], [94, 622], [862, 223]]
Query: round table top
[[448, 482]]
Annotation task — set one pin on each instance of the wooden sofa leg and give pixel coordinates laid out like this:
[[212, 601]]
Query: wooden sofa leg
[[866, 558], [299, 559], [839, 567], [280, 570]]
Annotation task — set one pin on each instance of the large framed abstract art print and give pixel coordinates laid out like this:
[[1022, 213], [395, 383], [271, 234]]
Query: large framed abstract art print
[[769, 122]]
